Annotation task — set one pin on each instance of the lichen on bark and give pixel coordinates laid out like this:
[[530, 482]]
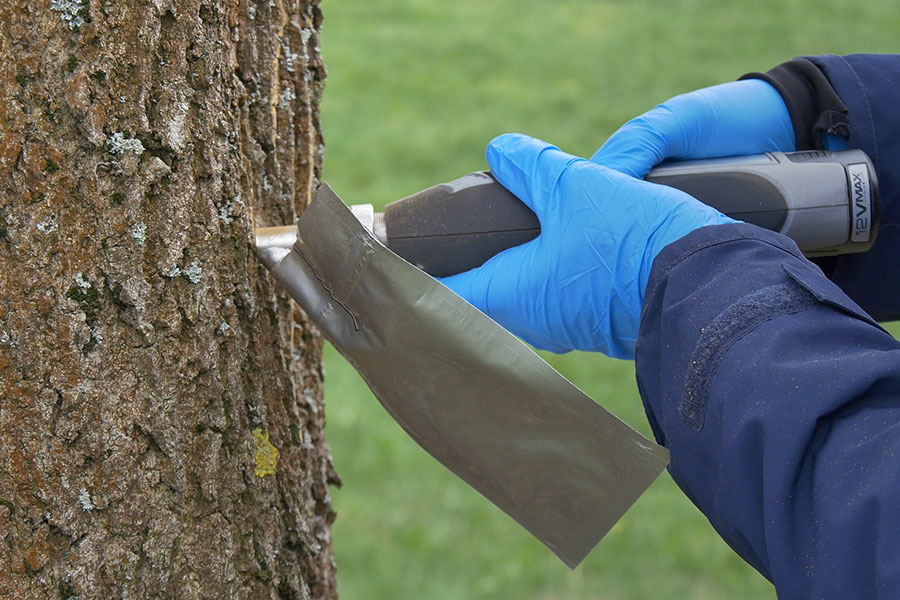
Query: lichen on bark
[[141, 343]]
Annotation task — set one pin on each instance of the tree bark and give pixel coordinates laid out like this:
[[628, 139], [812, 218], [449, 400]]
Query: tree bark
[[161, 412]]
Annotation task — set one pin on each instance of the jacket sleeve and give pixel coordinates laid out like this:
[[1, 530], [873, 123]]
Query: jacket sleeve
[[779, 400], [854, 97]]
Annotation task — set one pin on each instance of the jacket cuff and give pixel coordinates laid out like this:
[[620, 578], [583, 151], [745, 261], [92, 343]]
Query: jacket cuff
[[706, 291], [814, 106]]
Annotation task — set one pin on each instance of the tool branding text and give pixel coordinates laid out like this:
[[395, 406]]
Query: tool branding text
[[860, 209]]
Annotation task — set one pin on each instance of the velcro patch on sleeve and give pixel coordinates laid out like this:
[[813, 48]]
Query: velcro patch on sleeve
[[729, 326]]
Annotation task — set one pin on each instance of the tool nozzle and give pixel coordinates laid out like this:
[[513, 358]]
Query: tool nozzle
[[274, 243]]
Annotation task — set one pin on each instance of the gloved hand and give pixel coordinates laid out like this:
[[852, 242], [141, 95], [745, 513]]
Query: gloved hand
[[579, 285], [741, 117]]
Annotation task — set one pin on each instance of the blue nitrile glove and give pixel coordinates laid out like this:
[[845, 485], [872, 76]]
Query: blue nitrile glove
[[580, 284], [741, 117]]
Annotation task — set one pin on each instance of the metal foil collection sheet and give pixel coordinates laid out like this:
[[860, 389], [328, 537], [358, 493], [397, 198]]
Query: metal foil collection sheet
[[469, 392]]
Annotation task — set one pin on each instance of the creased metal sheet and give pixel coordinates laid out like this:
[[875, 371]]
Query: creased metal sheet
[[469, 392]]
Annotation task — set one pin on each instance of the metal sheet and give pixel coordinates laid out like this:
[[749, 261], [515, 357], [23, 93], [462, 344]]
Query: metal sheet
[[469, 392]]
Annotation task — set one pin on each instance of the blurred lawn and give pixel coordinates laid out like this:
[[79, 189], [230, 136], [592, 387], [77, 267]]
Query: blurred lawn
[[415, 90]]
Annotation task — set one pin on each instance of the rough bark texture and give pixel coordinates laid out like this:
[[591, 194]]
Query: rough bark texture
[[149, 369]]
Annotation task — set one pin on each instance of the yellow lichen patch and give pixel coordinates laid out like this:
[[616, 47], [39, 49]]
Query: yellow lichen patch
[[266, 454]]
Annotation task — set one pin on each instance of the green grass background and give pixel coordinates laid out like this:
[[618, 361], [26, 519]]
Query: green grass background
[[415, 90]]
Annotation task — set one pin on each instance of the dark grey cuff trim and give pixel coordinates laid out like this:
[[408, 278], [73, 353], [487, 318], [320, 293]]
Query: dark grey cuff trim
[[814, 106], [724, 330]]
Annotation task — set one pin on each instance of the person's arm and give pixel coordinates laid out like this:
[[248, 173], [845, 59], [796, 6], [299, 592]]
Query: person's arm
[[855, 98], [779, 400], [818, 102], [778, 397]]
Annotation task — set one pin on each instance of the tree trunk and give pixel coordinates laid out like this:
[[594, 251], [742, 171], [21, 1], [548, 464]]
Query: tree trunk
[[161, 415]]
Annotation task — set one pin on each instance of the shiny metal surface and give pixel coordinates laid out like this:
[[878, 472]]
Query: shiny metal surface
[[273, 243], [470, 393], [365, 214]]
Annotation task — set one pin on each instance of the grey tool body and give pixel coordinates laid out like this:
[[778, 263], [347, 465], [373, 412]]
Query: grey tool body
[[453, 227], [825, 201], [469, 392]]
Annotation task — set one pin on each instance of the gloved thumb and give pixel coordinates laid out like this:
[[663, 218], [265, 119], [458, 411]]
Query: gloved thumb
[[637, 146], [528, 167]]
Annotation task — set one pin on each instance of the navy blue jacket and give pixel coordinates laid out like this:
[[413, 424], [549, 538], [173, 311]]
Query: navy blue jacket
[[775, 389]]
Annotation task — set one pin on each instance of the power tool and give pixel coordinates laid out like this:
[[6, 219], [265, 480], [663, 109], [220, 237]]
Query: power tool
[[827, 202]]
